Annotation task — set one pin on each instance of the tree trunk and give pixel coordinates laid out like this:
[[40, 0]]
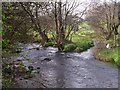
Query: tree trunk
[[114, 40], [44, 38], [60, 29], [115, 33], [60, 36]]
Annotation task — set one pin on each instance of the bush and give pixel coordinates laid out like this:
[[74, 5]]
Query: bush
[[116, 56], [82, 46], [78, 49], [69, 47], [77, 46], [108, 55], [50, 43]]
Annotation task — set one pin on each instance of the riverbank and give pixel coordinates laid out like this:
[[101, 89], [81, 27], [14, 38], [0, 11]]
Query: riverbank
[[108, 55]]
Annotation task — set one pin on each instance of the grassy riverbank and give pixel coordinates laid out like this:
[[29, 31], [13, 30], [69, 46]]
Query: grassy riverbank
[[81, 41], [109, 55]]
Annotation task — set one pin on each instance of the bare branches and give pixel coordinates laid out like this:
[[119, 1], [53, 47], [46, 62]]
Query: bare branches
[[35, 10], [104, 18], [60, 17]]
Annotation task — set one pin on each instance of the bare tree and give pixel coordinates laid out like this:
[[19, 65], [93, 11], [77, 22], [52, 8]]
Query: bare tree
[[112, 19], [62, 18], [105, 20], [34, 10], [66, 19]]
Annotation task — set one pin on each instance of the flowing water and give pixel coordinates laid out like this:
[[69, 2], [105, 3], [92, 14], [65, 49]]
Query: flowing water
[[66, 70]]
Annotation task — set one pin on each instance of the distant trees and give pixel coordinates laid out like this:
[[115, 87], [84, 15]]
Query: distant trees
[[104, 19]]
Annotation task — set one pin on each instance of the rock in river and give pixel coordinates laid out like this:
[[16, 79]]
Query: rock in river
[[46, 59]]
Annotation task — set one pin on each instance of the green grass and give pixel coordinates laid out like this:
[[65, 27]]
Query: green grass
[[50, 34], [81, 40], [105, 53], [69, 47], [110, 54], [116, 56], [77, 41], [35, 36], [49, 43]]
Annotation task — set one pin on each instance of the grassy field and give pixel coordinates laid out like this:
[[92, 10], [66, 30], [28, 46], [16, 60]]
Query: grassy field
[[82, 40]]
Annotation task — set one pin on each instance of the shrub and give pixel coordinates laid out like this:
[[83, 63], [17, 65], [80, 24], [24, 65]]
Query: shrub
[[82, 46], [69, 47], [116, 56], [108, 55], [78, 49], [50, 43]]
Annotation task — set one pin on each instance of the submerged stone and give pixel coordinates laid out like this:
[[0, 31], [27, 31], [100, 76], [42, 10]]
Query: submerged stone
[[46, 59]]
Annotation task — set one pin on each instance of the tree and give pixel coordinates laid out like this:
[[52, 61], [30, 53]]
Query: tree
[[34, 11], [112, 19], [15, 25], [66, 19], [105, 20]]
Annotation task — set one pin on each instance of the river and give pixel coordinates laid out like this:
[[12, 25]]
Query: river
[[66, 70]]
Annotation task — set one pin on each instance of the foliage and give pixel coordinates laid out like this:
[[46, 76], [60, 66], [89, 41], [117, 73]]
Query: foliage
[[84, 25], [69, 47], [36, 36], [109, 55], [15, 25], [104, 54], [49, 43], [6, 83], [83, 46], [29, 74], [116, 56], [6, 28], [83, 39], [12, 70]]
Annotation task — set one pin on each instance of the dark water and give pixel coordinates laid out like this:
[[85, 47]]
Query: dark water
[[66, 70]]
